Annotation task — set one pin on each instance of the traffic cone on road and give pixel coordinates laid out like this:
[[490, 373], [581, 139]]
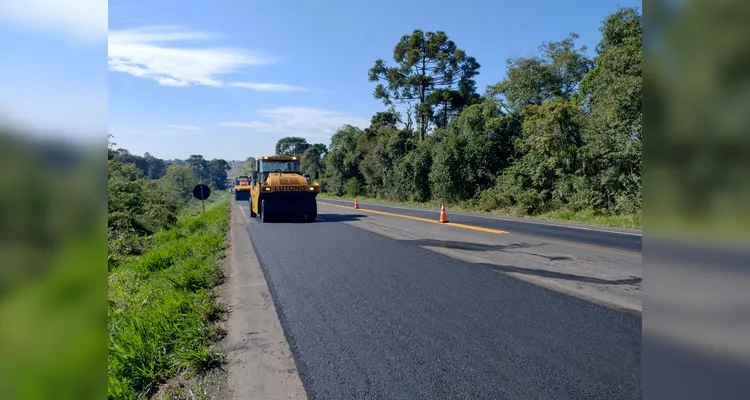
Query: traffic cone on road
[[356, 204], [443, 217]]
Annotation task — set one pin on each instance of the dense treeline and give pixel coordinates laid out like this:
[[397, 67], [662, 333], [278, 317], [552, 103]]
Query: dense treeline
[[560, 131], [145, 195], [210, 172]]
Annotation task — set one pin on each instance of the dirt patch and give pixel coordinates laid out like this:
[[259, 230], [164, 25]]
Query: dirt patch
[[198, 387]]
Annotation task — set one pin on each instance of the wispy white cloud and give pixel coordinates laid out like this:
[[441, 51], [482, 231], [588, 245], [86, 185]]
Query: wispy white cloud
[[168, 56], [80, 19], [269, 87], [254, 125], [299, 121], [172, 82], [184, 128]]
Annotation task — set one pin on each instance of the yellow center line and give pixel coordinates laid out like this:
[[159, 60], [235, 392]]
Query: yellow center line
[[464, 226], [488, 230]]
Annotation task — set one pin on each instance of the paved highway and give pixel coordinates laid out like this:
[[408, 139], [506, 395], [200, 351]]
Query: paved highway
[[382, 306]]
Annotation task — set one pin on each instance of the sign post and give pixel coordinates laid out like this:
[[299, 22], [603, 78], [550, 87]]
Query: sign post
[[201, 192]]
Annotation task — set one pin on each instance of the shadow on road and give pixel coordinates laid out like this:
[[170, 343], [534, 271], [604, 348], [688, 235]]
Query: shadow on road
[[450, 244], [339, 217], [321, 219], [561, 275], [525, 271]]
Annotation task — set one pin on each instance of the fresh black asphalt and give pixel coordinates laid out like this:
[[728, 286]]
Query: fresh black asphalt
[[590, 236], [372, 317]]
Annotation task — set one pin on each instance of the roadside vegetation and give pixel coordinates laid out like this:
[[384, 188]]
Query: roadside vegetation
[[558, 137], [51, 247], [164, 256]]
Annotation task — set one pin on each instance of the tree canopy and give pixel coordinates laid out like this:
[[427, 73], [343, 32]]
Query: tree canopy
[[432, 76], [291, 146], [210, 172]]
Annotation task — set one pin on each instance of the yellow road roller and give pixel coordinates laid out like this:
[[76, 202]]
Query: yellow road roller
[[280, 191]]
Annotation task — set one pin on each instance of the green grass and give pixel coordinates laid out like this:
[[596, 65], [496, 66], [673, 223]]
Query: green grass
[[162, 309], [580, 217], [590, 217], [51, 326]]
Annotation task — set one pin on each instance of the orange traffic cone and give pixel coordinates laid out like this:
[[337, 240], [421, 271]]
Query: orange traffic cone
[[443, 217], [356, 204]]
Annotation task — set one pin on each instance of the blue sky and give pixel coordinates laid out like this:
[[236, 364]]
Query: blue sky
[[53, 76], [228, 79]]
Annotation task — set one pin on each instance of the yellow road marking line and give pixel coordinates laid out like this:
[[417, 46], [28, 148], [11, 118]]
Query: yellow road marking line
[[464, 226], [488, 230]]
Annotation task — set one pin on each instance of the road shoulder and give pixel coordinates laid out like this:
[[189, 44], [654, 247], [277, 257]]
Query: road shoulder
[[259, 363]]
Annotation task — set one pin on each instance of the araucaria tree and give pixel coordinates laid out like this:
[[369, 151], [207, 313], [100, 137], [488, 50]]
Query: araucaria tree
[[431, 76]]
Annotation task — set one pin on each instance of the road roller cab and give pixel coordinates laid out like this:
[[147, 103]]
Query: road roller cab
[[279, 190]]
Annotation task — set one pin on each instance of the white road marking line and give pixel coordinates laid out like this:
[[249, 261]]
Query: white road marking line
[[244, 215]]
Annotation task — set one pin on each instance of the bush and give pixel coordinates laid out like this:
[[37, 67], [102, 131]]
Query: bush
[[353, 187], [531, 202], [411, 177], [161, 206], [495, 199]]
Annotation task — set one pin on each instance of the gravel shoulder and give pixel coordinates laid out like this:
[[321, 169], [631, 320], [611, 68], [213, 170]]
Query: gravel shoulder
[[259, 363]]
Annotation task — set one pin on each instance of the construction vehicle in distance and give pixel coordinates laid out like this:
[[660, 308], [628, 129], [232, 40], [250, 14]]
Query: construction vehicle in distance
[[241, 187], [280, 191]]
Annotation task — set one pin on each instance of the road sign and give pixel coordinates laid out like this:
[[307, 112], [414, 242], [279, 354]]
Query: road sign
[[201, 192]]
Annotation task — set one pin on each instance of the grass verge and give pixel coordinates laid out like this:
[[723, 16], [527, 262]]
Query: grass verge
[[163, 313], [632, 221]]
